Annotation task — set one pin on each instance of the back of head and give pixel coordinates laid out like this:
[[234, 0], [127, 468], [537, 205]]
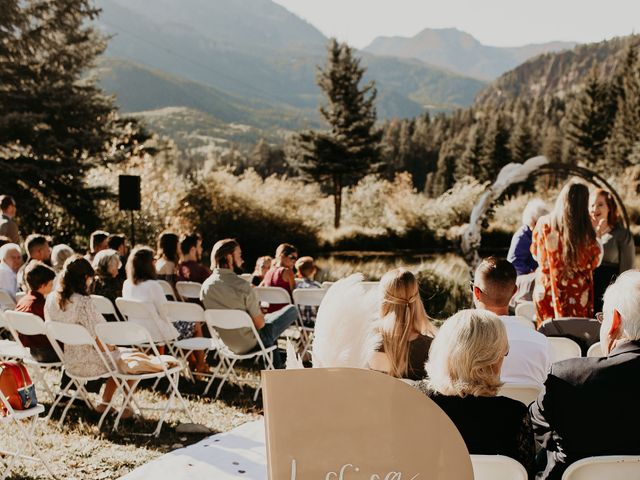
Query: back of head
[[97, 239], [496, 278], [73, 279], [624, 296], [402, 314], [188, 242], [115, 241], [59, 255], [570, 217], [38, 274], [535, 209], [103, 259], [261, 262], [305, 266], [6, 201], [140, 265], [463, 355], [34, 241], [168, 246], [221, 250], [285, 249]]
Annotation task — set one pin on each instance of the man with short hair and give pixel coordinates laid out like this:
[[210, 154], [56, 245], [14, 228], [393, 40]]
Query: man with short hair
[[118, 242], [190, 269], [590, 405], [97, 242], [528, 360], [37, 247], [224, 289], [8, 226], [10, 263]]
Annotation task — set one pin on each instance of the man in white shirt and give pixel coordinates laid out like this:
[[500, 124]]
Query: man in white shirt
[[10, 263], [528, 360]]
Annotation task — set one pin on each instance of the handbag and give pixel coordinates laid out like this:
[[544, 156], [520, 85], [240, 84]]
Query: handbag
[[16, 385], [134, 363]]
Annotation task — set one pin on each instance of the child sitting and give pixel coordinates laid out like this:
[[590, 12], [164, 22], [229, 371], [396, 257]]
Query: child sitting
[[306, 270]]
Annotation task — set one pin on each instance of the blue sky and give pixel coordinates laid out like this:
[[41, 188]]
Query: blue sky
[[493, 22]]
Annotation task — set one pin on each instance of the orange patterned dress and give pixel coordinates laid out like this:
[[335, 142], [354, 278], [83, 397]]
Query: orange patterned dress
[[561, 291]]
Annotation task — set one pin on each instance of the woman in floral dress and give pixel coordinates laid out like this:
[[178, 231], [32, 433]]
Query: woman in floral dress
[[567, 251]]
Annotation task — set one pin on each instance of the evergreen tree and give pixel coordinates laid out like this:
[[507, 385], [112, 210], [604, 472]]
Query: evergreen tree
[[54, 121], [495, 152], [351, 148], [468, 164], [523, 145]]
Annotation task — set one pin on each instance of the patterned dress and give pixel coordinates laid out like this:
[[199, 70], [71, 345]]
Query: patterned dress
[[561, 291]]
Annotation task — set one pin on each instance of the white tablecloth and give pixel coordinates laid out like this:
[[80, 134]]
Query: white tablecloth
[[239, 453]]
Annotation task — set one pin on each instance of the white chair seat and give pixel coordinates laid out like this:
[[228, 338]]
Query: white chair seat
[[610, 467], [22, 414], [11, 349], [196, 343]]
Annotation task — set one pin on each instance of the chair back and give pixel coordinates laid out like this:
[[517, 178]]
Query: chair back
[[273, 295], [525, 322], [497, 467], [595, 350], [613, 467], [526, 310], [123, 334], [104, 305], [308, 296], [584, 331], [190, 290], [25, 323], [246, 276], [145, 315], [167, 289], [183, 312], [526, 393], [19, 295], [68, 333], [228, 319], [327, 285], [6, 302], [563, 348]]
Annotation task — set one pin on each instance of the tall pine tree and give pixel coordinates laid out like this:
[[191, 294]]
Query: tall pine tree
[[351, 147]]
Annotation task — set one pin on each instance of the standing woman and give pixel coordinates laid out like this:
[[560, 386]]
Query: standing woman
[[406, 330], [167, 258], [617, 242], [281, 274], [567, 251]]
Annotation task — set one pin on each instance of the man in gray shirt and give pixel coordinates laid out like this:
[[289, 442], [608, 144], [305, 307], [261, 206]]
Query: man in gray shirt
[[8, 226], [226, 290]]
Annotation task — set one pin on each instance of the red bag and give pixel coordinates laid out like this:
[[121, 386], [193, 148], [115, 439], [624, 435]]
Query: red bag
[[16, 385]]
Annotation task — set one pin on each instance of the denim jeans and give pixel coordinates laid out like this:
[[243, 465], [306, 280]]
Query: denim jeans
[[274, 324]]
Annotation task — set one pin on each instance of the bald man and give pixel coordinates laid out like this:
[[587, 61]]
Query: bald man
[[10, 263], [528, 360]]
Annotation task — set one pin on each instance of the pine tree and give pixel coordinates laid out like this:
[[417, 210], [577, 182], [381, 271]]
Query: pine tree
[[523, 145], [351, 148], [495, 152], [468, 164], [55, 123]]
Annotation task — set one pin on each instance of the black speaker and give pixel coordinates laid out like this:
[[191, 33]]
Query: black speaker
[[129, 192]]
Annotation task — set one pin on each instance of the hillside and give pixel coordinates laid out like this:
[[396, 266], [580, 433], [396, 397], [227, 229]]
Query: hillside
[[460, 52], [557, 73]]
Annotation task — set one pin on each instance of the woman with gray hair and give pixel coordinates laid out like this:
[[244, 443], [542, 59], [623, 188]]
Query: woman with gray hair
[[520, 249], [59, 255], [464, 379], [107, 283]]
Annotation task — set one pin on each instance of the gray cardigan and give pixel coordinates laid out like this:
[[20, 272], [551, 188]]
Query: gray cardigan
[[619, 248]]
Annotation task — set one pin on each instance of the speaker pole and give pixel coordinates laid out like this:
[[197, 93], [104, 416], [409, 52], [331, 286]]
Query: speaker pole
[[133, 230]]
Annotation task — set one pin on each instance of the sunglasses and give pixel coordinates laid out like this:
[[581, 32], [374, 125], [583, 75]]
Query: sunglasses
[[293, 257]]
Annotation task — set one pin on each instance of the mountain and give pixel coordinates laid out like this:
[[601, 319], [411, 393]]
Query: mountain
[[557, 74], [256, 52], [460, 52]]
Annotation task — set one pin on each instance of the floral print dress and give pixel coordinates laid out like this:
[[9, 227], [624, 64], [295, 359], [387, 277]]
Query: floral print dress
[[562, 291]]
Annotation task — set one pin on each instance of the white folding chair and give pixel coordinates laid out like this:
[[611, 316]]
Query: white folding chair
[[9, 349], [127, 334], [563, 348], [595, 350], [497, 467], [167, 289], [6, 302], [525, 322], [189, 290], [72, 334], [104, 306], [218, 320], [526, 310], [327, 285], [19, 295], [307, 297], [192, 313], [610, 467], [246, 276], [25, 433], [30, 324], [526, 393], [278, 295], [145, 314]]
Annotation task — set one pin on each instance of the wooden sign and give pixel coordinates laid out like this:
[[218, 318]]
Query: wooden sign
[[353, 424]]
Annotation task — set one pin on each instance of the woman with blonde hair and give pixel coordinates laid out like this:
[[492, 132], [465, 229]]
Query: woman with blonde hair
[[567, 251], [464, 380], [406, 332]]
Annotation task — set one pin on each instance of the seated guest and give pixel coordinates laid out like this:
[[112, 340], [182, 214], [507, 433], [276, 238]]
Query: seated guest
[[37, 247], [59, 255], [190, 269], [4, 240], [306, 271], [10, 263], [224, 289], [141, 285], [565, 417], [528, 360], [106, 264], [71, 303], [97, 242], [167, 257], [8, 226], [281, 274], [406, 330], [464, 379], [263, 264], [39, 278], [118, 242]]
